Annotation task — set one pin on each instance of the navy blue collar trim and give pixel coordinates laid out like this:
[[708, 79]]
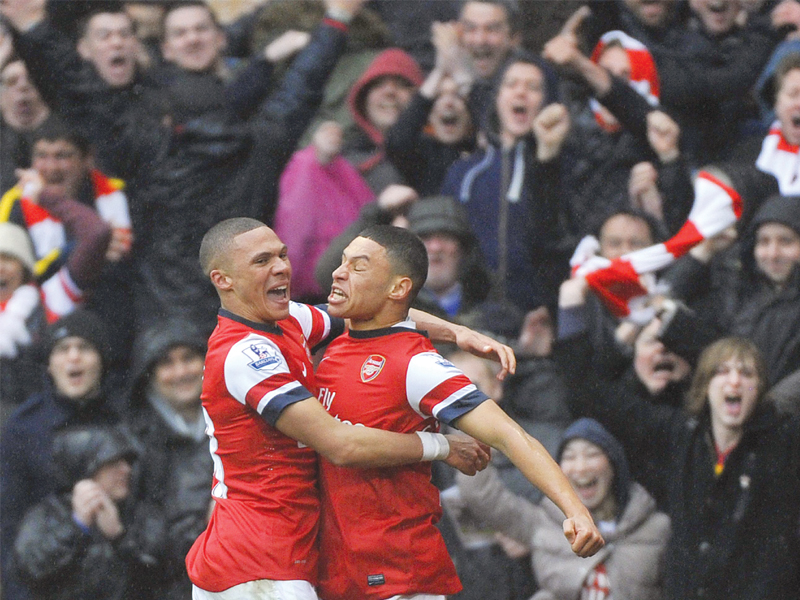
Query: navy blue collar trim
[[365, 334], [265, 327]]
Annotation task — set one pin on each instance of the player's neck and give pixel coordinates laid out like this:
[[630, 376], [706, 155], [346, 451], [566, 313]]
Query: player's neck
[[382, 321]]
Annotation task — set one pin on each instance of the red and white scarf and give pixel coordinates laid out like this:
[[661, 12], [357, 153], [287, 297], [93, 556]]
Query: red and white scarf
[[644, 77], [47, 232], [781, 159], [618, 282]]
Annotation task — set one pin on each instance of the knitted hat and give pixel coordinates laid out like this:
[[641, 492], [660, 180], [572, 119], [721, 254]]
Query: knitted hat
[[15, 242], [440, 214], [79, 323], [592, 431]]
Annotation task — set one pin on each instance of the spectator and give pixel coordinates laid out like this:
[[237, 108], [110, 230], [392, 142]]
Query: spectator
[[376, 101], [22, 319], [624, 150], [87, 539], [166, 420], [201, 153], [21, 112], [490, 34], [632, 562], [457, 278], [64, 160], [368, 35], [757, 300], [100, 91], [321, 194], [75, 348], [436, 127], [706, 80], [778, 151], [510, 188], [730, 479]]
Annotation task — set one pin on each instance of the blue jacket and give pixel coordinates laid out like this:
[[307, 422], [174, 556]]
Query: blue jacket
[[534, 264]]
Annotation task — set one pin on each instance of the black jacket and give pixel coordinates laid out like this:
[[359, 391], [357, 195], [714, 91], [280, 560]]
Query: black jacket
[[735, 298], [735, 537], [174, 471], [62, 559]]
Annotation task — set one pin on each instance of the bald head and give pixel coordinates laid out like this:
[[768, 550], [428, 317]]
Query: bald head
[[218, 240]]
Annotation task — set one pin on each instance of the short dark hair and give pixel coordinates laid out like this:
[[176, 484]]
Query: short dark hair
[[82, 25], [406, 253], [171, 7], [54, 130], [657, 230], [218, 239], [511, 7]]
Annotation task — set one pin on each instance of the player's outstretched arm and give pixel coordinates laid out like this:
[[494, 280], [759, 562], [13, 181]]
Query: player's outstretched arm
[[356, 446], [466, 339], [489, 424]]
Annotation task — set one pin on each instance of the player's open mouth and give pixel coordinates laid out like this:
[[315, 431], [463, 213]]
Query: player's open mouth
[[336, 294], [278, 293]]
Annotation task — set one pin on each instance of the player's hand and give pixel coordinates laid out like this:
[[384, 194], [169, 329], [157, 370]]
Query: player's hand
[[467, 455], [582, 535], [486, 347]]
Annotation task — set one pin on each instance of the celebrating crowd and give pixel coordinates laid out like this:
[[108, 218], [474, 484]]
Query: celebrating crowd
[[245, 269]]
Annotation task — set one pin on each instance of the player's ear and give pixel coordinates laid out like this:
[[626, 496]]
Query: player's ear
[[401, 288], [220, 279]]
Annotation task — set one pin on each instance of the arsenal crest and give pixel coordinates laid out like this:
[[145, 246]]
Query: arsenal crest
[[372, 367]]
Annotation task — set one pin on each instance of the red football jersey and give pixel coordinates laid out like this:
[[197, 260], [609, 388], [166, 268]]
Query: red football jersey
[[265, 521], [377, 535]]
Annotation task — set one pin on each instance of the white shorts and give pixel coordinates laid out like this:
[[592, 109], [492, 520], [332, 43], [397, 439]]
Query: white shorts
[[417, 597], [261, 589]]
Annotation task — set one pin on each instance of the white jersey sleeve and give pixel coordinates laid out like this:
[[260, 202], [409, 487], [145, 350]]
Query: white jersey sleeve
[[256, 374], [436, 387]]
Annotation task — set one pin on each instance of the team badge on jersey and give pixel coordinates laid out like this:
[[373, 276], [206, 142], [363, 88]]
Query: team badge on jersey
[[261, 355], [372, 367]]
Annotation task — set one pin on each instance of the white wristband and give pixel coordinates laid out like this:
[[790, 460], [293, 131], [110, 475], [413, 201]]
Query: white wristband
[[434, 446]]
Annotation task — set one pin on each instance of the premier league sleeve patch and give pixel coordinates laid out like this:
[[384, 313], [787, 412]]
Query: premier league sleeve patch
[[372, 367], [262, 356]]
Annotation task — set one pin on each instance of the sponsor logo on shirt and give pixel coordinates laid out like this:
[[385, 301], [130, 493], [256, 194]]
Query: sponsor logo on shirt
[[372, 367], [261, 355]]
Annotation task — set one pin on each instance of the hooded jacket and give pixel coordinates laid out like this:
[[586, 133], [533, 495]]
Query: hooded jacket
[[634, 551], [513, 203], [61, 558], [175, 470], [736, 298], [366, 150]]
